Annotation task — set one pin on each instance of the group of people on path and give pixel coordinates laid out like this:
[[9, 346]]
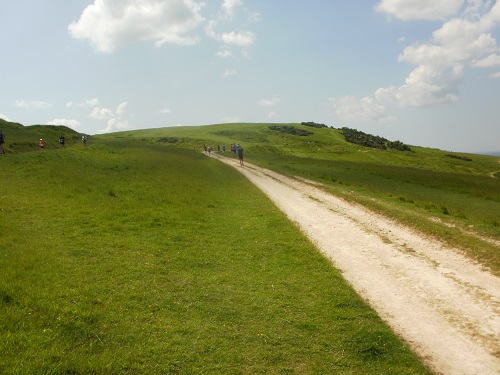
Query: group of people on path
[[41, 142], [235, 149]]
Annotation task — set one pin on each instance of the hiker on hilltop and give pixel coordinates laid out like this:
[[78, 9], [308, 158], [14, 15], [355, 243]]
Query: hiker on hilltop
[[84, 139], [41, 144], [2, 141], [62, 140], [239, 149]]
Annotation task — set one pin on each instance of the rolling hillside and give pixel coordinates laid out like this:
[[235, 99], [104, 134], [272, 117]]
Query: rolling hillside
[[453, 196]]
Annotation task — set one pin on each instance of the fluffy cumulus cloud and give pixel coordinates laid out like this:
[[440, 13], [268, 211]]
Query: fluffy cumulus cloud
[[242, 39], [350, 108], [114, 119], [229, 6], [110, 24], [101, 113], [464, 39]]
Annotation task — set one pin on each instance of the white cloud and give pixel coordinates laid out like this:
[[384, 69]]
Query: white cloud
[[350, 108], [228, 73], [228, 7], [121, 108], [110, 24], [462, 41], [35, 104], [269, 102], [429, 85], [165, 110], [490, 61], [495, 75], [4, 117], [88, 103], [114, 119], [242, 39], [73, 124], [224, 54], [420, 9], [101, 113], [272, 115], [115, 125]]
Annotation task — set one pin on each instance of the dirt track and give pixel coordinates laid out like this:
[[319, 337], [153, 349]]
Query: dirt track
[[445, 307]]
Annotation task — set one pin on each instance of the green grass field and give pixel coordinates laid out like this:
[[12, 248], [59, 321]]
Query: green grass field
[[133, 258], [138, 254]]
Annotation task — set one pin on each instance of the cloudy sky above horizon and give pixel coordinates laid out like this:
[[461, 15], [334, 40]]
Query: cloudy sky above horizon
[[426, 72]]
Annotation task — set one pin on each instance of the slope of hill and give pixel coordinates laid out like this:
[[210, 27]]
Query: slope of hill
[[453, 196], [19, 138], [324, 144]]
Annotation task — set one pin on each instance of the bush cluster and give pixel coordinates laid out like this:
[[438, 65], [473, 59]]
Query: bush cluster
[[313, 124], [290, 130], [168, 140], [458, 157], [373, 141]]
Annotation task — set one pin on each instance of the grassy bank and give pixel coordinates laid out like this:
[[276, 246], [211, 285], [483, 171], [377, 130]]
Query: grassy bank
[[132, 258]]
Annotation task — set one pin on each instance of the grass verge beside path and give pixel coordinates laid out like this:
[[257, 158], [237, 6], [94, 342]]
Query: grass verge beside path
[[142, 259]]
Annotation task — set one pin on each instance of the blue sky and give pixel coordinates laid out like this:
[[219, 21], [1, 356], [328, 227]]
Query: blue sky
[[426, 72]]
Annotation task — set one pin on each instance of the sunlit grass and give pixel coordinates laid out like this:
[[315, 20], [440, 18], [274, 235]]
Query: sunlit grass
[[129, 258]]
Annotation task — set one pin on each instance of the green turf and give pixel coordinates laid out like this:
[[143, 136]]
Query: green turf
[[129, 257]]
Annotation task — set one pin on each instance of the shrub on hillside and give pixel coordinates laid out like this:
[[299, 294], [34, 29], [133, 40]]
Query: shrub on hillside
[[373, 141], [290, 130], [313, 124], [458, 157]]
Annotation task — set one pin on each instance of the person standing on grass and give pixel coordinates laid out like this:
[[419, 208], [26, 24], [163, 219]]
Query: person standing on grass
[[41, 144], [240, 154], [84, 139], [2, 141], [224, 148], [62, 140]]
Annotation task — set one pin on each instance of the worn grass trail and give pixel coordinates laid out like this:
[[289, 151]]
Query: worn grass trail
[[128, 259]]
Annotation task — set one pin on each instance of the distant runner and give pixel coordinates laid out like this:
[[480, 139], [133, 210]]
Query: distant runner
[[2, 141], [239, 149]]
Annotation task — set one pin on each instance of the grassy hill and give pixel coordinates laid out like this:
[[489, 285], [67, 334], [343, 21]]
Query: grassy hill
[[452, 196], [138, 254], [21, 138]]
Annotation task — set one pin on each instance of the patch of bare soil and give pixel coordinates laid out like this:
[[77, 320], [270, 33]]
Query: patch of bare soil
[[442, 304]]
